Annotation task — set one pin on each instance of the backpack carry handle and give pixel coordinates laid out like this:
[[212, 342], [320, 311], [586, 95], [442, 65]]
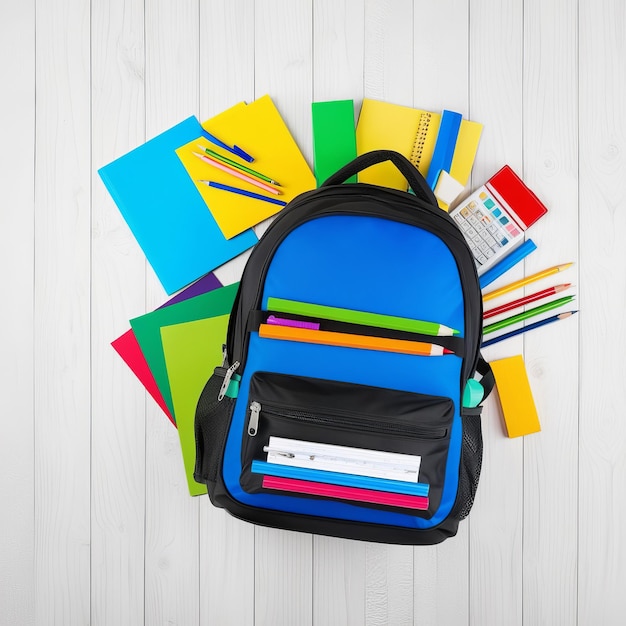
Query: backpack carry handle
[[410, 172]]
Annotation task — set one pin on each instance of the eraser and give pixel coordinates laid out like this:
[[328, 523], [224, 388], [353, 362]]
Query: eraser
[[447, 189], [516, 398]]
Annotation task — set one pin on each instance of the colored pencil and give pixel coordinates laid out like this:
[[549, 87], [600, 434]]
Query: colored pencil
[[233, 172], [520, 317], [243, 192], [239, 166], [525, 281], [533, 297], [236, 150], [524, 329], [507, 262]]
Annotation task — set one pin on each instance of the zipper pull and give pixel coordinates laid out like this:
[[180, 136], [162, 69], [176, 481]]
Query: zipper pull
[[253, 424], [229, 374]]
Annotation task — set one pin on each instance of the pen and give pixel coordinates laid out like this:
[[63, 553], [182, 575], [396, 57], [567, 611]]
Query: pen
[[524, 329], [236, 150], [242, 192], [233, 172], [239, 166], [520, 317], [525, 281]]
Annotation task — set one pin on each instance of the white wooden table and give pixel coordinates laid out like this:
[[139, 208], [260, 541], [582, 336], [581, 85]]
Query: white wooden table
[[96, 524]]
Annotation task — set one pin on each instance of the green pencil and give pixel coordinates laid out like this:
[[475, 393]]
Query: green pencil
[[239, 166], [359, 317], [520, 317]]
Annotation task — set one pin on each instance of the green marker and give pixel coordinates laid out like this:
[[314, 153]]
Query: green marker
[[359, 317]]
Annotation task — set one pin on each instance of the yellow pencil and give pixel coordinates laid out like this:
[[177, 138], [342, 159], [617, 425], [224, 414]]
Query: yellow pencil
[[525, 281]]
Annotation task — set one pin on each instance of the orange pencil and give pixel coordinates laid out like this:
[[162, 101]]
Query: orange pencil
[[348, 340]]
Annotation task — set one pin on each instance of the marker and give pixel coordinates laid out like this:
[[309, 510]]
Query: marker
[[242, 192]]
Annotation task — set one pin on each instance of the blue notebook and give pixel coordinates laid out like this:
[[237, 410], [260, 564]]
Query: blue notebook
[[165, 211]]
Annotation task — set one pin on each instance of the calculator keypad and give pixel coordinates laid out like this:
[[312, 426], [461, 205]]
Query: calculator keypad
[[486, 227]]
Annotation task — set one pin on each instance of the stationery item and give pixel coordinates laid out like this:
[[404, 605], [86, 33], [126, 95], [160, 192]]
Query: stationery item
[[364, 318], [336, 478], [275, 151], [239, 166], [129, 349], [524, 329], [281, 321], [495, 217], [343, 459], [236, 150], [385, 126], [447, 189], [444, 146], [165, 213], [147, 329], [236, 173], [507, 262], [347, 340], [345, 493], [334, 138], [516, 398], [520, 317], [533, 297], [473, 393], [191, 351], [465, 151], [243, 192], [525, 281]]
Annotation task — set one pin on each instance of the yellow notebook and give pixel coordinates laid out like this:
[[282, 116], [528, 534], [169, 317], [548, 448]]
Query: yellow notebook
[[385, 126], [259, 129], [516, 398]]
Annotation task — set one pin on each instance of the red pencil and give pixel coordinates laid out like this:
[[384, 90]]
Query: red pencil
[[550, 291]]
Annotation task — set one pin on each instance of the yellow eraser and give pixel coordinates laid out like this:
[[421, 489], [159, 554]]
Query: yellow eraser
[[516, 398]]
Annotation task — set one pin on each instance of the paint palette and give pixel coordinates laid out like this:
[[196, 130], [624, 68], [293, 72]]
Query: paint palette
[[495, 217]]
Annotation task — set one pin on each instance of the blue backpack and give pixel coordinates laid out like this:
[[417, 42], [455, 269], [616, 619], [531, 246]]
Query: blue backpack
[[348, 401]]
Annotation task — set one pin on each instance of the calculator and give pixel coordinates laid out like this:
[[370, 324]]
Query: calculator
[[495, 217]]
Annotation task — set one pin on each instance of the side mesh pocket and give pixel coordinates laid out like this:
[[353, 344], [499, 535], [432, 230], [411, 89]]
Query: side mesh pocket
[[211, 426], [471, 462]]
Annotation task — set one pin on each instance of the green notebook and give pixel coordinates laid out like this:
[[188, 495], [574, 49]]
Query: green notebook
[[192, 351]]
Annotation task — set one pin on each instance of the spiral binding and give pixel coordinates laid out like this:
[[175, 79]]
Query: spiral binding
[[420, 138]]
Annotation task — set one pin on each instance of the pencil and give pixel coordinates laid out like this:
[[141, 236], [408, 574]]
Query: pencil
[[239, 166], [520, 317], [533, 297], [524, 329], [243, 192], [525, 281], [233, 172]]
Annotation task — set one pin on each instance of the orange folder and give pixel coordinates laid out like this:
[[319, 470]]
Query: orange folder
[[348, 340]]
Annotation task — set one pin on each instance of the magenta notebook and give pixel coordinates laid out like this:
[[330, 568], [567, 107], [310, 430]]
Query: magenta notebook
[[345, 493]]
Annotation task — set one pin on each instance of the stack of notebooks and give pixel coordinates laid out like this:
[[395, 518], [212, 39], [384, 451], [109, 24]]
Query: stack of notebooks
[[191, 197]]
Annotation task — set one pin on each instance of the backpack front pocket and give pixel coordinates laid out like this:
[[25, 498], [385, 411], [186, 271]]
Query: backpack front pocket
[[345, 441]]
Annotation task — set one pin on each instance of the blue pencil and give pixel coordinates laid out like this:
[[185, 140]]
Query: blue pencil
[[513, 333], [506, 263], [242, 192]]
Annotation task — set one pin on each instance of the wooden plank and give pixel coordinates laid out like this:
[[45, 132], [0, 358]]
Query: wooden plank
[[172, 516], [17, 163], [551, 457], [283, 69], [62, 313], [602, 472], [226, 544], [118, 293], [441, 62], [495, 524]]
